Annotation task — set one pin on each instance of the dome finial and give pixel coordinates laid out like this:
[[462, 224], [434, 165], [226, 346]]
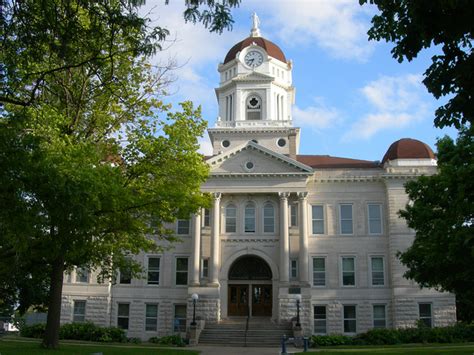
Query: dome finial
[[255, 32]]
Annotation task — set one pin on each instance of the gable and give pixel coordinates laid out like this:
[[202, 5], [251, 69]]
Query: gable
[[252, 159]]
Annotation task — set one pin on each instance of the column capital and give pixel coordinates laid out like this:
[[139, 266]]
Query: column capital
[[216, 195], [283, 195], [302, 195]]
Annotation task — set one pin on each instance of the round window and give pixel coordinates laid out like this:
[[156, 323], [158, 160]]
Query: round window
[[249, 165], [255, 141], [281, 142], [225, 143]]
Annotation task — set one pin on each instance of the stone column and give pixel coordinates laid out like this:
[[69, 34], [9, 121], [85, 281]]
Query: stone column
[[215, 240], [196, 256], [284, 238], [303, 223]]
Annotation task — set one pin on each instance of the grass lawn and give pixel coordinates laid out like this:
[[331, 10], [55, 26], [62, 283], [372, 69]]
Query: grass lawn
[[401, 349], [12, 347]]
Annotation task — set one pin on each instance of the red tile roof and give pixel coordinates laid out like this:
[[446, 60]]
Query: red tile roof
[[407, 148], [271, 48], [328, 162]]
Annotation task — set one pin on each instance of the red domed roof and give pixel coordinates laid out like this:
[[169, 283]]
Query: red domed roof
[[407, 148], [271, 48]]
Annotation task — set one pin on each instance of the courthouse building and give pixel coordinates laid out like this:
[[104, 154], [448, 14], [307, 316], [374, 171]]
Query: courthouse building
[[282, 226]]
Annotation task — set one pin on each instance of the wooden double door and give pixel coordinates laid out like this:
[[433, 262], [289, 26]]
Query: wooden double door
[[246, 300]]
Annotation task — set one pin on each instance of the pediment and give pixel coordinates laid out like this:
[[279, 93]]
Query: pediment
[[252, 159], [254, 76]]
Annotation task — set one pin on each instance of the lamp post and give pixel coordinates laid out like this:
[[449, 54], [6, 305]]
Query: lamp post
[[298, 301], [195, 297]]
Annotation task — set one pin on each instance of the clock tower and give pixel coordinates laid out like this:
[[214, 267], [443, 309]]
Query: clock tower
[[255, 96]]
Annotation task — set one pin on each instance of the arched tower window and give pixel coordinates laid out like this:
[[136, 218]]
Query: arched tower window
[[230, 218], [249, 222], [254, 108], [268, 218]]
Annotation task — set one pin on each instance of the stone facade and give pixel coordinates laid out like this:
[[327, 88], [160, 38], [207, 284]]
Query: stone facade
[[325, 228]]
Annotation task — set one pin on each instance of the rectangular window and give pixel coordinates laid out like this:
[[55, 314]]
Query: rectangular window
[[375, 218], [123, 315], [350, 320], [425, 314], [151, 317], [82, 275], [294, 268], [153, 271], [320, 320], [230, 219], [181, 271], [380, 320], [348, 271], [204, 268], [294, 215], [378, 278], [179, 318], [207, 217], [125, 275], [318, 219], [268, 218], [183, 227], [319, 272], [79, 313], [346, 219], [249, 223]]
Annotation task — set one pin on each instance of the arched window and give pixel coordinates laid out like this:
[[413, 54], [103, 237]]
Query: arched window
[[254, 108], [230, 218], [268, 218], [249, 220]]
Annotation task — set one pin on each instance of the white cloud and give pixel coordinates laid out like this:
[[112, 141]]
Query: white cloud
[[317, 117], [205, 146], [393, 103], [338, 26]]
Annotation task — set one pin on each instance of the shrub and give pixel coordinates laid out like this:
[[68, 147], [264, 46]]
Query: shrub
[[87, 331], [331, 340], [460, 332], [168, 340], [378, 337], [134, 340], [32, 331]]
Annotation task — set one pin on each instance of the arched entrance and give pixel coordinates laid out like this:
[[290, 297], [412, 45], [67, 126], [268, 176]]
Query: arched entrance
[[250, 287]]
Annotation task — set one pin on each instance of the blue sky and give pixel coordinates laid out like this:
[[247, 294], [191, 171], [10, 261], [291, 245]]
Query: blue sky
[[352, 98]]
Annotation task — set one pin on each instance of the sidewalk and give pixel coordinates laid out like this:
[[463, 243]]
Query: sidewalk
[[228, 350]]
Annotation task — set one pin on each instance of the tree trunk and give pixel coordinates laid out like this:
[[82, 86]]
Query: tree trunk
[[51, 335]]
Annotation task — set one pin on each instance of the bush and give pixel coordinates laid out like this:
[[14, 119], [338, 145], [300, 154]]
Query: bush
[[168, 340], [331, 340], [87, 331], [460, 332], [134, 340], [32, 331]]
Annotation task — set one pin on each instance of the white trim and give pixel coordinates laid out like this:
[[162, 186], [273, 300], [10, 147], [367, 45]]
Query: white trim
[[385, 315], [274, 217], [340, 217], [176, 257], [381, 217], [324, 257], [341, 276], [343, 318], [324, 219], [370, 256]]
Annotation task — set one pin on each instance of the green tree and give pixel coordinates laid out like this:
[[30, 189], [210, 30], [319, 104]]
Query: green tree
[[89, 154], [442, 214], [442, 209], [416, 25]]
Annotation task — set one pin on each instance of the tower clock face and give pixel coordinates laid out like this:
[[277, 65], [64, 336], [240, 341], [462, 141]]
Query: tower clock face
[[253, 59]]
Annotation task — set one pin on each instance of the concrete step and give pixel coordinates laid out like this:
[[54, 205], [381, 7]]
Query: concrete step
[[231, 332]]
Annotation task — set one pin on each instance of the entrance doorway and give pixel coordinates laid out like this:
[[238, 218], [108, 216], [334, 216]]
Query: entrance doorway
[[250, 288]]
